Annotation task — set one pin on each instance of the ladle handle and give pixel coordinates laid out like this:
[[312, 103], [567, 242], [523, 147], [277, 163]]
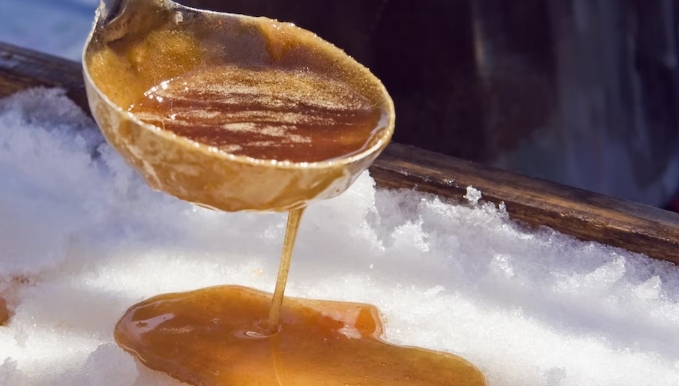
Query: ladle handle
[[110, 9]]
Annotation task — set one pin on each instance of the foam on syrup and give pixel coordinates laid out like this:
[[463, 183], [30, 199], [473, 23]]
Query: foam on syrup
[[264, 113], [218, 336]]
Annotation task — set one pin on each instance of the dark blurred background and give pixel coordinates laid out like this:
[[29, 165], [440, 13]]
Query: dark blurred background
[[581, 92]]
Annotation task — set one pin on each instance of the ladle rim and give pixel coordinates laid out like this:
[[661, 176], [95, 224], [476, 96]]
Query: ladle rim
[[380, 144]]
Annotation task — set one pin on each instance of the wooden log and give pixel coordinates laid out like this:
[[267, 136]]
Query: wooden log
[[21, 69], [585, 215]]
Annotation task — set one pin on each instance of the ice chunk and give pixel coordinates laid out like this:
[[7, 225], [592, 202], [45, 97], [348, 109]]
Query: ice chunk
[[473, 195]]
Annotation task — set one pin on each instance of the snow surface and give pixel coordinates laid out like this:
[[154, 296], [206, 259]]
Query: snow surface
[[82, 238]]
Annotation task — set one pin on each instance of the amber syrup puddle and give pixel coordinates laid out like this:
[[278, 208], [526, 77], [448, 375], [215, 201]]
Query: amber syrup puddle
[[235, 336]]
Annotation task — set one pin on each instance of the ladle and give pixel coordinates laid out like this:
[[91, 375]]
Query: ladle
[[135, 44], [138, 45], [213, 336]]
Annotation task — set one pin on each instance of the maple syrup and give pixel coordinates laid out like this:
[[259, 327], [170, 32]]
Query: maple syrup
[[218, 336], [294, 218], [270, 114], [4, 312]]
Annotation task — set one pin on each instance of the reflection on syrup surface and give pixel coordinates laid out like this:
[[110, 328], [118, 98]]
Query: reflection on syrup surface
[[264, 113], [215, 336]]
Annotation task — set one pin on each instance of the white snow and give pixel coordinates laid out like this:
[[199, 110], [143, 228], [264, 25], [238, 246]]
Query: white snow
[[82, 238]]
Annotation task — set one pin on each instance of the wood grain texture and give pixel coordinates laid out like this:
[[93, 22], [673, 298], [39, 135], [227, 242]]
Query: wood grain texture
[[583, 214], [21, 68]]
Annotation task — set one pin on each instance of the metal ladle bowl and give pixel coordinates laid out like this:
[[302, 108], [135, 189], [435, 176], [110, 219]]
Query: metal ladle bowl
[[136, 44]]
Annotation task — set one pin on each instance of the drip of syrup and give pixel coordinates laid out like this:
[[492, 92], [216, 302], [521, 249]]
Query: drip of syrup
[[291, 229]]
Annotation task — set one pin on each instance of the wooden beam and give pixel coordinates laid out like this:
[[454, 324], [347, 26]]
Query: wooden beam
[[21, 69], [583, 214]]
